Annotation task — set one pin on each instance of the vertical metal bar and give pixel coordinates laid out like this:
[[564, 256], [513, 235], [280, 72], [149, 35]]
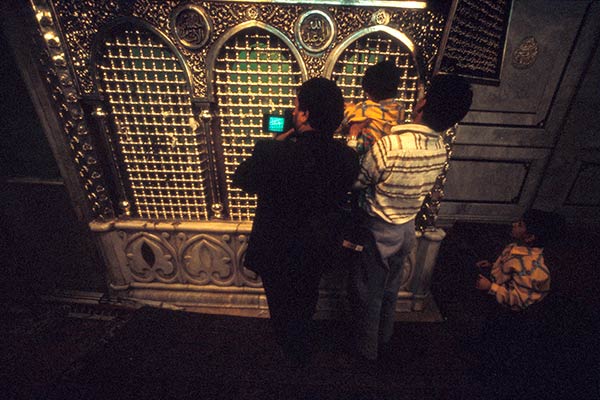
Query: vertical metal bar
[[215, 192], [106, 143]]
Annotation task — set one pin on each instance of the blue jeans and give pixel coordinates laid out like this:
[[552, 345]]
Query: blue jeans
[[375, 281]]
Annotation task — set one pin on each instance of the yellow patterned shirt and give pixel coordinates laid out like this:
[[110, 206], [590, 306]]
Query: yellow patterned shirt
[[383, 116], [520, 277]]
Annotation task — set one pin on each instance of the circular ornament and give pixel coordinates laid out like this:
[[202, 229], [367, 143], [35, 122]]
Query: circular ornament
[[315, 31], [191, 25], [526, 54], [252, 13], [381, 17]]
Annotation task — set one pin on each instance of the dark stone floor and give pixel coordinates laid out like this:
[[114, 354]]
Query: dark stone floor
[[161, 354]]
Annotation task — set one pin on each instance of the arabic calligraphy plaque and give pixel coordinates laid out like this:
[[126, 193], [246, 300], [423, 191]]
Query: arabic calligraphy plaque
[[475, 40], [315, 31]]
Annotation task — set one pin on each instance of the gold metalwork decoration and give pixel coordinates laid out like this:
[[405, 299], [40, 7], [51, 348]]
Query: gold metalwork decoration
[[381, 17], [427, 216], [69, 110], [213, 162], [163, 158], [242, 95], [82, 19], [176, 141], [217, 210], [252, 13], [314, 65], [526, 54], [125, 208], [424, 30], [191, 26], [369, 50], [315, 31], [350, 20], [255, 73]]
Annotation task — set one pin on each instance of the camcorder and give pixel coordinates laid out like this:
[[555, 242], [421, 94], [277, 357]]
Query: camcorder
[[278, 124]]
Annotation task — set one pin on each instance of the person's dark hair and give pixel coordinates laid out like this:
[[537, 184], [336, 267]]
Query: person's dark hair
[[447, 101], [323, 100], [381, 80], [544, 225]]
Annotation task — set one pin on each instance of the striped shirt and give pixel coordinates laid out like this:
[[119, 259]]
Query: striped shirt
[[400, 170], [520, 277]]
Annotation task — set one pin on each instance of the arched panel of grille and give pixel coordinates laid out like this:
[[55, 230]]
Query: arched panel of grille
[[256, 72], [159, 149], [348, 62]]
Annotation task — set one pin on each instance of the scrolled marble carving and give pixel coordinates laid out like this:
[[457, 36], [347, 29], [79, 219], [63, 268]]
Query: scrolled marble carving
[[186, 257], [207, 259], [150, 257], [248, 277]]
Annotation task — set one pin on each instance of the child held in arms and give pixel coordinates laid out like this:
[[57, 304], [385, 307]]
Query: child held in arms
[[368, 121], [520, 277]]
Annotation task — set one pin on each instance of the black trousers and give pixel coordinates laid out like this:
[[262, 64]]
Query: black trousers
[[292, 295]]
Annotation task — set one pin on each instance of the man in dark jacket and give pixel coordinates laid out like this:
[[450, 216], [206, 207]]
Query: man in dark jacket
[[298, 182]]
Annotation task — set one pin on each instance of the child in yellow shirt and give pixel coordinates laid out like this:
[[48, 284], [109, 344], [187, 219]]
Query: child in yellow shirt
[[370, 120], [520, 277]]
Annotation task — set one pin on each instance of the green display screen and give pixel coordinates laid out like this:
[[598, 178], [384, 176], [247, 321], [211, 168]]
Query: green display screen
[[276, 124]]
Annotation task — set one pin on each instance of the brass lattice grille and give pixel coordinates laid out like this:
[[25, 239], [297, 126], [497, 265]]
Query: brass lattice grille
[[369, 50], [162, 157], [255, 74]]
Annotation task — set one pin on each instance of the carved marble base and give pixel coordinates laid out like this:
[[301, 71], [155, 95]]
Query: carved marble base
[[198, 266]]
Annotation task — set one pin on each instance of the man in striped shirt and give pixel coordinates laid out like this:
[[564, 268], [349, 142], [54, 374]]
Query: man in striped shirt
[[396, 175]]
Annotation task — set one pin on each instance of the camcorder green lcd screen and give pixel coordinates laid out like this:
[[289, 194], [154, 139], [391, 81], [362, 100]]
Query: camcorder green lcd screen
[[277, 124]]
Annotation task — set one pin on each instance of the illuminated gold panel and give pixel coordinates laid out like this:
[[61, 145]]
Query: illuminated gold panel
[[255, 74], [369, 50], [160, 149]]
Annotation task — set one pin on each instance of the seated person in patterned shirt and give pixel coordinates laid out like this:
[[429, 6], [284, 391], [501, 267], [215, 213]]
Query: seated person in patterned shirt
[[520, 277], [368, 121]]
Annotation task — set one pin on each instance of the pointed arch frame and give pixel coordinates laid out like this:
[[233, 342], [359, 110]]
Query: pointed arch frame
[[211, 58]]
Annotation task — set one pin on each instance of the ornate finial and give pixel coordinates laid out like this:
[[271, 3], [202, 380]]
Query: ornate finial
[[206, 116], [99, 112], [217, 209], [125, 208]]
